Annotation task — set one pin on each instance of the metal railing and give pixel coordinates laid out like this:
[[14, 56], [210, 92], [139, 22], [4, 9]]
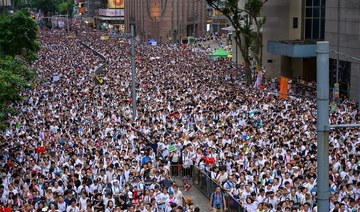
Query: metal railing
[[204, 183], [176, 170], [207, 186]]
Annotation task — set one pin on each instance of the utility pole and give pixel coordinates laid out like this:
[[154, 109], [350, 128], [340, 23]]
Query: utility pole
[[68, 23], [194, 16], [178, 22], [338, 41], [133, 73], [172, 23], [323, 126]]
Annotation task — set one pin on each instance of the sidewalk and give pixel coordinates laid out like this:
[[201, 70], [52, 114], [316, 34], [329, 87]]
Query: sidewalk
[[198, 198]]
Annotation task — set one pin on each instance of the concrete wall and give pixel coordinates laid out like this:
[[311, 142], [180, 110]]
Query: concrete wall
[[275, 28], [295, 11], [349, 36]]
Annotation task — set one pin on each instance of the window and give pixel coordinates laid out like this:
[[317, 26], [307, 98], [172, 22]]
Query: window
[[295, 22], [314, 19]]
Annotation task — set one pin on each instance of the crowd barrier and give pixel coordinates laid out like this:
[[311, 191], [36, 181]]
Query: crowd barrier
[[207, 186], [176, 171], [100, 68]]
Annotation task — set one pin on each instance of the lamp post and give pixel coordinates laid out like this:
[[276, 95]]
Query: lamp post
[[338, 42], [323, 126], [133, 73]]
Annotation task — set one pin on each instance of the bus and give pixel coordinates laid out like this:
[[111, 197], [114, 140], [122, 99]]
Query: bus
[[187, 41]]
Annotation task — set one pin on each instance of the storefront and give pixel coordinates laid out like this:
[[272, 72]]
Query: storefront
[[111, 19]]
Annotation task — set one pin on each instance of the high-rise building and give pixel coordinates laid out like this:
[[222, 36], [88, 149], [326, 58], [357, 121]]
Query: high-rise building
[[105, 13], [5, 5], [292, 29], [166, 20], [342, 29]]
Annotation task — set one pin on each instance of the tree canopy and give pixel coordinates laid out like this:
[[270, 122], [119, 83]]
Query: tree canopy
[[247, 23], [18, 48], [65, 7], [47, 7], [18, 34]]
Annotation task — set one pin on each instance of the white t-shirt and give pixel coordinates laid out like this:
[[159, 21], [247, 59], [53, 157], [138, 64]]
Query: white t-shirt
[[83, 202], [72, 209]]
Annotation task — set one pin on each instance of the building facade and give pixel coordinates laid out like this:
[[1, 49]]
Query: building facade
[[104, 13], [292, 30], [216, 21], [342, 29], [166, 20], [5, 5], [290, 34]]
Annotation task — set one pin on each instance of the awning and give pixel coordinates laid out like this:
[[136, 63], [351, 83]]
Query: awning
[[220, 53]]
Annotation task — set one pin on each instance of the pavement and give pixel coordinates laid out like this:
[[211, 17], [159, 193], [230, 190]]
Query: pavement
[[198, 198]]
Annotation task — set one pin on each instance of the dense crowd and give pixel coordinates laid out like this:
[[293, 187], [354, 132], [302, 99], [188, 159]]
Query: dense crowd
[[75, 146]]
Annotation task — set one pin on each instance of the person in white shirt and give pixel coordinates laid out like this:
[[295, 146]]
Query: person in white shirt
[[82, 201], [222, 176], [61, 204], [162, 199], [73, 207], [177, 193], [57, 189]]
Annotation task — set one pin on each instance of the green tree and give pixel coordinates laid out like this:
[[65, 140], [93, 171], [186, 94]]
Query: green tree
[[14, 77], [247, 23], [18, 34], [65, 7], [18, 47]]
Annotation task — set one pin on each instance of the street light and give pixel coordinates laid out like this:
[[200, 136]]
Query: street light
[[133, 73]]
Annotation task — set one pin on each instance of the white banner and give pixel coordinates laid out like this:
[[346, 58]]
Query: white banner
[[111, 12]]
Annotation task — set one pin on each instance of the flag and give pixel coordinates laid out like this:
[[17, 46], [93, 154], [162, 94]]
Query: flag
[[284, 87]]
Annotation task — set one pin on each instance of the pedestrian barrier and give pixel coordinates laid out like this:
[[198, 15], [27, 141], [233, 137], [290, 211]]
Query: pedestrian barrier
[[207, 186], [204, 183], [100, 68], [176, 170]]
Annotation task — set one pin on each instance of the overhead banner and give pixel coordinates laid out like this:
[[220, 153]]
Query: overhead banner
[[118, 4], [111, 12], [284, 87]]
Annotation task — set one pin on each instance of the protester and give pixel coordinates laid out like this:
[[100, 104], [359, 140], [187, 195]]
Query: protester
[[75, 145], [217, 201]]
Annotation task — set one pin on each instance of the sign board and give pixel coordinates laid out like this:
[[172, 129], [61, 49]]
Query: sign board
[[111, 12], [116, 4], [104, 38], [284, 87], [336, 90]]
